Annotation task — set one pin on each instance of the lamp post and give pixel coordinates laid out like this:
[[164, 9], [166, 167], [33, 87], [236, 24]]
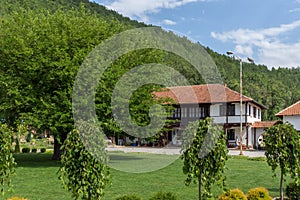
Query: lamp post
[[241, 96]]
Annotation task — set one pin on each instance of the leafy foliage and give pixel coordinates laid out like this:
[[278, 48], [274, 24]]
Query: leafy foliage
[[163, 196], [129, 197], [25, 150], [41, 53], [204, 155], [293, 191], [258, 194], [80, 172], [7, 161], [274, 88], [235, 194], [16, 198], [43, 150], [283, 150]]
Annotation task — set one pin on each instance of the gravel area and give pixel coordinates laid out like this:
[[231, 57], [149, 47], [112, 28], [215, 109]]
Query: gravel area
[[176, 151]]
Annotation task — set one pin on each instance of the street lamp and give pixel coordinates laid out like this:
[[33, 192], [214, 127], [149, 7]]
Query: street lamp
[[241, 96]]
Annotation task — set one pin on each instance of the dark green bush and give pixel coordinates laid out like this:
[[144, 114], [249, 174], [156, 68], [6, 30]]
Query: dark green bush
[[43, 150], [293, 191], [259, 193], [33, 150], [257, 159], [26, 150], [234, 194], [129, 197], [163, 196]]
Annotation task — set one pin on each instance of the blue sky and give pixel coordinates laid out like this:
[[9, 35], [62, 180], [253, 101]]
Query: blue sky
[[266, 30]]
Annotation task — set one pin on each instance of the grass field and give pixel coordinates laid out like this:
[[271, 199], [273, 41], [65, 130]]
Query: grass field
[[36, 177]]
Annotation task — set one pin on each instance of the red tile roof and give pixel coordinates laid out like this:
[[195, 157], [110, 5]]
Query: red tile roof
[[291, 110], [264, 124], [210, 93]]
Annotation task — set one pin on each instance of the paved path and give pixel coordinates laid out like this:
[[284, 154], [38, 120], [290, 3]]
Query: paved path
[[176, 151]]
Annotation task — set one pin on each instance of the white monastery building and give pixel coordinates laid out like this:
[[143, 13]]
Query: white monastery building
[[222, 105], [291, 114]]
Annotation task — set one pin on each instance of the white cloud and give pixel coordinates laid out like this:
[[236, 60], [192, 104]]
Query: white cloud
[[140, 8], [272, 51], [294, 10], [169, 22]]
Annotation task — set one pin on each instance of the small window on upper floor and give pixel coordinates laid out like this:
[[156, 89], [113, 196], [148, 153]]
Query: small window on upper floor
[[231, 110], [254, 112], [222, 110], [250, 110], [191, 112], [183, 112]]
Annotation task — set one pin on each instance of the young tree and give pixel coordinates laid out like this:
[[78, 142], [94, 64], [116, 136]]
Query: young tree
[[204, 155], [6, 158], [83, 168], [283, 151]]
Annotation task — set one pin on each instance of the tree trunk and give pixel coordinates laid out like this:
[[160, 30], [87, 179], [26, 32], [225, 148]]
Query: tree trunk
[[57, 145], [281, 188], [56, 151], [199, 185]]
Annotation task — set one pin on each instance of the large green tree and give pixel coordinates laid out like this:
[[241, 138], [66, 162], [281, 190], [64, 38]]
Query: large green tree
[[204, 155], [41, 53], [283, 151]]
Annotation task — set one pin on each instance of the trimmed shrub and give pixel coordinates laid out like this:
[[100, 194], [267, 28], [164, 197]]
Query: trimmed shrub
[[293, 191], [43, 150], [16, 198], [129, 197], [235, 194], [33, 150], [26, 150], [163, 196], [259, 193]]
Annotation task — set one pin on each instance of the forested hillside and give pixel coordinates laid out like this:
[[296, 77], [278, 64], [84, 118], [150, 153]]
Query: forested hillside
[[275, 88], [42, 44], [8, 6]]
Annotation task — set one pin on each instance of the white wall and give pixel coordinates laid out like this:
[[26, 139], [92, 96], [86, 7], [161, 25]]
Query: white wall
[[250, 117], [295, 120], [215, 114]]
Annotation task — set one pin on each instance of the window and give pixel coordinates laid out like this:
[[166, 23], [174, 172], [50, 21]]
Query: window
[[192, 112], [197, 112], [184, 112], [231, 109], [177, 113], [205, 112], [254, 112], [258, 113], [249, 110], [230, 134], [222, 110]]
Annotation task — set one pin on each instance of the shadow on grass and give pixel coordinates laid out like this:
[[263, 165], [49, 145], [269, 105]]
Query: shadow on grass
[[35, 160], [123, 157]]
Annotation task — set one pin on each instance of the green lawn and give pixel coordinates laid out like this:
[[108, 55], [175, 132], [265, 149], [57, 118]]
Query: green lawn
[[36, 177]]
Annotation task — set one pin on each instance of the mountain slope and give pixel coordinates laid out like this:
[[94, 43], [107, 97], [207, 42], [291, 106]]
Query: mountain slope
[[276, 88]]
